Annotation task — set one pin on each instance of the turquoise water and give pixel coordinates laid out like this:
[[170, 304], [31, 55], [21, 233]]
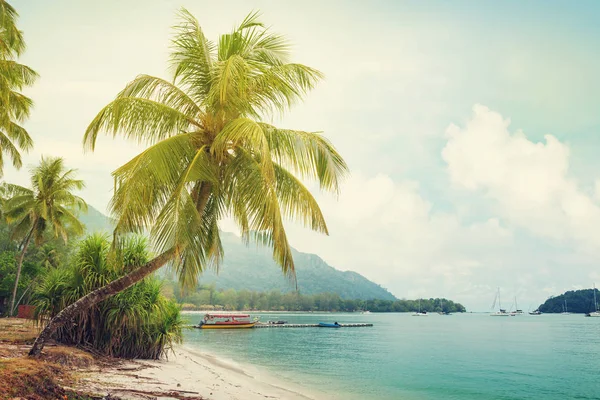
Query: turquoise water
[[462, 356]]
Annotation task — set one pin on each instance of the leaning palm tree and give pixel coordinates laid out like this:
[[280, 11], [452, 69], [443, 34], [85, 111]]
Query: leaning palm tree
[[211, 154], [49, 205], [14, 106]]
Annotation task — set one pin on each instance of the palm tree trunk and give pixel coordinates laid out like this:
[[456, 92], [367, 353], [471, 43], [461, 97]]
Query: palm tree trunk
[[116, 286], [19, 266], [98, 295]]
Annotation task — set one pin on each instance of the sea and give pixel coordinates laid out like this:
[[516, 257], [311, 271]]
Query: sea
[[460, 356]]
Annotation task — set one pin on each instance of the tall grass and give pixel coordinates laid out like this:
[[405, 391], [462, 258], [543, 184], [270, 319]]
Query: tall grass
[[136, 323]]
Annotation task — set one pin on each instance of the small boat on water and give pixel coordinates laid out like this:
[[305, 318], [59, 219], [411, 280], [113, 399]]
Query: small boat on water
[[501, 311], [442, 311], [280, 322], [535, 312], [565, 308], [227, 321], [594, 313], [517, 311], [329, 325], [420, 313]]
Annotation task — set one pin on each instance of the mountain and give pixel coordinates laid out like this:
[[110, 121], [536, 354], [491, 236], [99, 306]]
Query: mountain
[[578, 301], [253, 268], [95, 221]]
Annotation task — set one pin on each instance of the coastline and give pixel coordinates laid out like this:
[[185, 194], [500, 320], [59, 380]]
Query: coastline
[[188, 373]]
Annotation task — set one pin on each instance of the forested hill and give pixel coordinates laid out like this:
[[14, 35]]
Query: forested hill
[[253, 268], [578, 301]]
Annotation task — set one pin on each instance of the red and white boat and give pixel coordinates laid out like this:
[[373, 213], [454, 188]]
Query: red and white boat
[[227, 321]]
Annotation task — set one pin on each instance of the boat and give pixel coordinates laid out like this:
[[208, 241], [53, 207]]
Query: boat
[[517, 311], [366, 312], [565, 308], [501, 311], [535, 312], [442, 312], [420, 313], [329, 325], [280, 322], [227, 321], [594, 313]]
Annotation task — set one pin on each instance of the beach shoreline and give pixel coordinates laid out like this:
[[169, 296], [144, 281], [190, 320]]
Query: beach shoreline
[[189, 373]]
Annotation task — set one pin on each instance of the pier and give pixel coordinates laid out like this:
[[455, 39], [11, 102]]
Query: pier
[[308, 325], [263, 325]]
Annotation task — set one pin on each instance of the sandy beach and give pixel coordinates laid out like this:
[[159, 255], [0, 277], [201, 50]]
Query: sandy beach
[[189, 374]]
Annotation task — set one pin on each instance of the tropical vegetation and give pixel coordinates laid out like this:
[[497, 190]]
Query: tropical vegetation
[[211, 154], [577, 301], [139, 322], [49, 205], [14, 77], [207, 297]]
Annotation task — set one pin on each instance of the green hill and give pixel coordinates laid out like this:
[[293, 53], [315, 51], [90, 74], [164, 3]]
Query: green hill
[[253, 268], [95, 221]]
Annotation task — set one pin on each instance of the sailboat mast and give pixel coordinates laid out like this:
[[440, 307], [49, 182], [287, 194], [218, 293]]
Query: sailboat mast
[[499, 303]]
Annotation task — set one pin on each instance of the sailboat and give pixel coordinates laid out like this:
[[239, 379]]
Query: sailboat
[[594, 313], [442, 312], [420, 313], [517, 311], [501, 312], [565, 308]]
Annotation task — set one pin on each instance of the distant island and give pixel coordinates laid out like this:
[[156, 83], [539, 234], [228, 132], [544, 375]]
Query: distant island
[[573, 301]]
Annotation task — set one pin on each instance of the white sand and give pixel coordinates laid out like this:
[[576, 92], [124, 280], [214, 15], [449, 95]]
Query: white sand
[[189, 373]]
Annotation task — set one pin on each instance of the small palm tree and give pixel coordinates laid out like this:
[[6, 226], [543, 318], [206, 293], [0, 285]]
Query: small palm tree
[[14, 106], [211, 154], [48, 205]]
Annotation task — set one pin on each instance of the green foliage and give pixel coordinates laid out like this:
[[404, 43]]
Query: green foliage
[[14, 106], [37, 261], [48, 205], [578, 301], [274, 300], [8, 271], [210, 153], [138, 322]]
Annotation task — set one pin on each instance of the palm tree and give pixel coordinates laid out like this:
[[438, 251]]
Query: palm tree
[[48, 205], [211, 155], [14, 106]]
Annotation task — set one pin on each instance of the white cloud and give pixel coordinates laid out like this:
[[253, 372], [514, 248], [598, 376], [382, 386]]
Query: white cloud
[[527, 182]]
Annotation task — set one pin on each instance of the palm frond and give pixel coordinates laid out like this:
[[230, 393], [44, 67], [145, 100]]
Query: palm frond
[[138, 119], [192, 56]]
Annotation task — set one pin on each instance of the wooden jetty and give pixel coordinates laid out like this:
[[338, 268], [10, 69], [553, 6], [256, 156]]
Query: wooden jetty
[[263, 325]]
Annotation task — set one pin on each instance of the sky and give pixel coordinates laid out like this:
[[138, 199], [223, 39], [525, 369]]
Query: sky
[[471, 128]]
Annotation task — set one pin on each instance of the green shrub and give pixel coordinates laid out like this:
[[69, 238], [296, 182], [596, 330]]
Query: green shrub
[[138, 322]]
